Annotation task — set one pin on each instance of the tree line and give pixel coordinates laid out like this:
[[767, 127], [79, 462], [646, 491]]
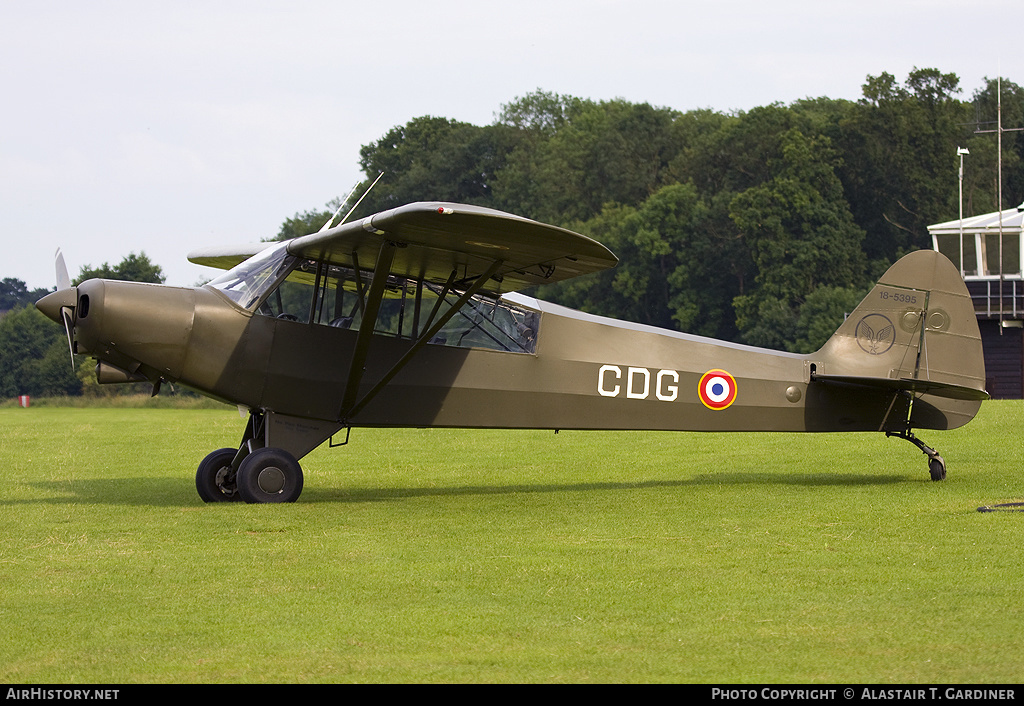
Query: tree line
[[763, 226], [35, 356]]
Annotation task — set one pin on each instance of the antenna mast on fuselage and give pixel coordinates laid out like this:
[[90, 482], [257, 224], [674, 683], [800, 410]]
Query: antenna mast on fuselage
[[334, 215]]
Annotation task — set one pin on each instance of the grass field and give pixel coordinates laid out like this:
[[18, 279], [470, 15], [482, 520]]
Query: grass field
[[490, 556]]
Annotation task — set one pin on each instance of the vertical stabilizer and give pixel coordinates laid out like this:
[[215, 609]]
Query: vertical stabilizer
[[916, 331]]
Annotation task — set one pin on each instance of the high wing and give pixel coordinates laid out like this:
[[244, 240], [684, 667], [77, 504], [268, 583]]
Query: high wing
[[469, 250], [437, 239], [224, 257]]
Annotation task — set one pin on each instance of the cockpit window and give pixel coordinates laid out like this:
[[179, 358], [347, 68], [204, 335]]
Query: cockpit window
[[282, 286], [245, 284]]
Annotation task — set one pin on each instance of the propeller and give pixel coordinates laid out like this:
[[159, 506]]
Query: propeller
[[69, 327], [67, 313], [63, 280], [62, 306]]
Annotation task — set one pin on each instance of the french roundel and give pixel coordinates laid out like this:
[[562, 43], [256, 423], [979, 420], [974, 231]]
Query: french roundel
[[717, 389]]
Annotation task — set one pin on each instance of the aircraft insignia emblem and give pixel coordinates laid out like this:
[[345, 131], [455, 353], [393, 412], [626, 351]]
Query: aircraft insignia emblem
[[717, 389], [876, 334]]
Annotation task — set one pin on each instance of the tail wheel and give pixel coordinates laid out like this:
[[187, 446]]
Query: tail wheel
[[215, 480], [269, 475]]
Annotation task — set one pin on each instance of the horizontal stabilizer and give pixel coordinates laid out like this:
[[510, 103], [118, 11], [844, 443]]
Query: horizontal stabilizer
[[929, 387]]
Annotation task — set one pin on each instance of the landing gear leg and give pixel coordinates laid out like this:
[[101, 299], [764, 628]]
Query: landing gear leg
[[936, 465], [217, 475]]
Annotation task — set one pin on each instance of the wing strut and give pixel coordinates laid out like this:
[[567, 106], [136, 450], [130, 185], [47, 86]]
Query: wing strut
[[381, 270], [348, 410]]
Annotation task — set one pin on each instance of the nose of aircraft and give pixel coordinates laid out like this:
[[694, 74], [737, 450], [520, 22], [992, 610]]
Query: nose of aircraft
[[138, 328], [53, 302], [60, 306]]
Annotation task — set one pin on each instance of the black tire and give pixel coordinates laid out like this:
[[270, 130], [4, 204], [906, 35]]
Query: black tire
[[213, 479], [270, 475], [937, 468]]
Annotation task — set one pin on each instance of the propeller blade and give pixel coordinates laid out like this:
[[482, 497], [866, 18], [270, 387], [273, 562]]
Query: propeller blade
[[69, 327], [63, 279], [67, 314]]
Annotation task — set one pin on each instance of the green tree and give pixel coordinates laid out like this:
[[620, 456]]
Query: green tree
[[670, 272], [590, 155], [133, 268], [528, 124], [34, 356], [304, 224], [821, 313], [981, 167], [14, 292], [898, 145], [762, 226], [431, 159], [800, 235], [540, 114]]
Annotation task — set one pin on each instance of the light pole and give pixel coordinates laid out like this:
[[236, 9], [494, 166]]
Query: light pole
[[961, 151]]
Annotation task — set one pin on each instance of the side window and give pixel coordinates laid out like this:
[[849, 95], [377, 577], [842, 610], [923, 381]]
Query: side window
[[340, 297], [290, 301], [493, 324], [329, 295]]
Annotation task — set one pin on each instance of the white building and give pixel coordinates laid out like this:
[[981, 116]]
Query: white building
[[996, 285]]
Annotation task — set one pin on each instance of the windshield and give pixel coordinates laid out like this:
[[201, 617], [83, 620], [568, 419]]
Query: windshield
[[247, 282]]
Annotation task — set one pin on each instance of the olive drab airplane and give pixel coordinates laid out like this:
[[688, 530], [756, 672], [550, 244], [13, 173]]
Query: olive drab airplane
[[409, 318]]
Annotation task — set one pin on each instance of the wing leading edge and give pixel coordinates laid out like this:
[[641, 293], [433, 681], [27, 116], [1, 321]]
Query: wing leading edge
[[436, 238]]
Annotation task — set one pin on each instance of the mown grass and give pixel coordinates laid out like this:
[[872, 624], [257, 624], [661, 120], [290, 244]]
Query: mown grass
[[496, 556]]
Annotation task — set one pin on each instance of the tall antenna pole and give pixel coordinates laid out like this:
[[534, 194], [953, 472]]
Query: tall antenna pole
[[999, 162], [961, 151], [998, 123], [999, 178]]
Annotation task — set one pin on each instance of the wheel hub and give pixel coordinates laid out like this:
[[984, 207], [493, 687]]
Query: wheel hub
[[223, 483], [271, 480]]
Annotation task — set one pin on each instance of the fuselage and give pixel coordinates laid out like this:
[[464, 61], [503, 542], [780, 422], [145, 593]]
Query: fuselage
[[409, 318], [584, 372]]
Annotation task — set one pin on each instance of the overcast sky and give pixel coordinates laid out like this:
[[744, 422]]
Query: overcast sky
[[166, 127]]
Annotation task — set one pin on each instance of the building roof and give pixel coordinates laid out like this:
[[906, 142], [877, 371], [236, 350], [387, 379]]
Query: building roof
[[1013, 221]]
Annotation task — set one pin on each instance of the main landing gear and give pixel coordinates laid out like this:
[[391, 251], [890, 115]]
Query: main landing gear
[[215, 479], [255, 474], [266, 475], [936, 465]]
